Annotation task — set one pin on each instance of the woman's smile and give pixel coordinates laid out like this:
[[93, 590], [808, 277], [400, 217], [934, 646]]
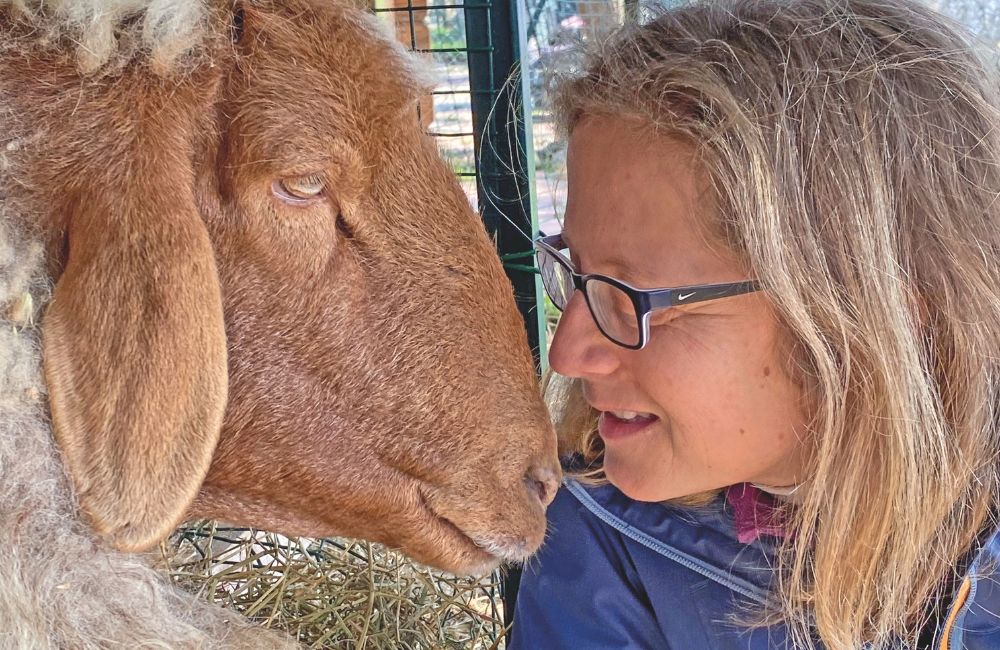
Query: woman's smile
[[621, 425]]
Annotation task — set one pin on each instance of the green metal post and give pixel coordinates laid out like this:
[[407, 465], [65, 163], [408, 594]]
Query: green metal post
[[495, 36], [505, 165]]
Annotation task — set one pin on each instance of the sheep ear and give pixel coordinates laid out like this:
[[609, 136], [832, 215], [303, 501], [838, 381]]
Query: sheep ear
[[134, 343]]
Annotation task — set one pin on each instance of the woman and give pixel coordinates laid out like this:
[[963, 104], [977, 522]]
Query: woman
[[795, 444]]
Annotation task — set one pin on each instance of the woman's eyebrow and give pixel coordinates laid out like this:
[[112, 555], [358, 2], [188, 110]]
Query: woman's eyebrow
[[620, 268]]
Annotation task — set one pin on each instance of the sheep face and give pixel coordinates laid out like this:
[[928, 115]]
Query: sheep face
[[273, 303]]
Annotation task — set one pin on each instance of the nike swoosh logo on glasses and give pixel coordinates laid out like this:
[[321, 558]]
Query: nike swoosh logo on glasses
[[685, 296]]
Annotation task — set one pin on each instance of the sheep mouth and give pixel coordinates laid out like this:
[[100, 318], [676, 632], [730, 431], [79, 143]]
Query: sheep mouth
[[481, 556]]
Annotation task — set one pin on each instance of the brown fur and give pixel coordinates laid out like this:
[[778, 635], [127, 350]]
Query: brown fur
[[378, 379]]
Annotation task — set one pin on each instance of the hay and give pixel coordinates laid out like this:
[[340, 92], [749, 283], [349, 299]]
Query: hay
[[335, 593]]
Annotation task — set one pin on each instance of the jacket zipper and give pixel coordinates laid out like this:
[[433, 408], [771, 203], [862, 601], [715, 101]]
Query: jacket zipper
[[956, 608]]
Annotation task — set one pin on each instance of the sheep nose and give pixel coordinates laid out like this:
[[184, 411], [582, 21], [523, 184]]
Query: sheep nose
[[543, 481]]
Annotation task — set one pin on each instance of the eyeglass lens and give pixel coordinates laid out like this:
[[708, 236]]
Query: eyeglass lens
[[611, 307], [556, 279], [613, 311]]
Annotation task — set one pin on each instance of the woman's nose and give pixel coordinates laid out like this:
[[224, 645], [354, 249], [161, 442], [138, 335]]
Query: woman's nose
[[578, 348]]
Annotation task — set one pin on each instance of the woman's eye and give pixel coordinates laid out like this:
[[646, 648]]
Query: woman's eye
[[299, 190]]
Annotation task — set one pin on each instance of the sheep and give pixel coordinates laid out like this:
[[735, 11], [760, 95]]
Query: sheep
[[237, 281]]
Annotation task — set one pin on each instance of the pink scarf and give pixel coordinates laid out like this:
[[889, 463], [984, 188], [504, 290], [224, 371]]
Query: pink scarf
[[755, 513]]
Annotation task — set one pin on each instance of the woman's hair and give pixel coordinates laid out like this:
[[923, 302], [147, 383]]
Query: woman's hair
[[854, 152]]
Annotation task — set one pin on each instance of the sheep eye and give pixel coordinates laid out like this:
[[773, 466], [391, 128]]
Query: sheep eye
[[300, 190]]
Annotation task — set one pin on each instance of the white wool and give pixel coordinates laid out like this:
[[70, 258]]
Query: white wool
[[169, 28]]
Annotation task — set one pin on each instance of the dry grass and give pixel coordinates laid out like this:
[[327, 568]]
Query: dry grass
[[335, 593]]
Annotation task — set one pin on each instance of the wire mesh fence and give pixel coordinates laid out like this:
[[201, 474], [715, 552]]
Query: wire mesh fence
[[476, 114], [435, 31]]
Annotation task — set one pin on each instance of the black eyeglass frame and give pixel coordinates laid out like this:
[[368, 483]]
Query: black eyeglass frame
[[644, 301]]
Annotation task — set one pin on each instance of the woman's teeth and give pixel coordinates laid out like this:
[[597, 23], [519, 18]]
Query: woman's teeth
[[620, 425], [630, 415]]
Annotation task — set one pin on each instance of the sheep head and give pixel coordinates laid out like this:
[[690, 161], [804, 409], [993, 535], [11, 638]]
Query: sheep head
[[273, 304]]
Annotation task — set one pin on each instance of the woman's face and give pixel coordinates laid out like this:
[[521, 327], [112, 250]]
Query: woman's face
[[714, 401]]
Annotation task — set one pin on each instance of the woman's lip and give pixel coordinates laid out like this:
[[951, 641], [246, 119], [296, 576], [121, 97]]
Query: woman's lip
[[611, 427]]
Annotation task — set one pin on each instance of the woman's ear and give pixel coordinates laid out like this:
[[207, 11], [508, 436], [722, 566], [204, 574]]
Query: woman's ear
[[134, 342]]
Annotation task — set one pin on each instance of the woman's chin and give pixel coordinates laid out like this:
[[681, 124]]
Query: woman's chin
[[632, 480], [640, 484]]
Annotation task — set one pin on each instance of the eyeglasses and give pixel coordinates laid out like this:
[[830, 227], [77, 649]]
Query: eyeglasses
[[620, 310]]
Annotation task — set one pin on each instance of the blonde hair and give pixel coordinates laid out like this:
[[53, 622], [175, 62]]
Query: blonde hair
[[855, 158]]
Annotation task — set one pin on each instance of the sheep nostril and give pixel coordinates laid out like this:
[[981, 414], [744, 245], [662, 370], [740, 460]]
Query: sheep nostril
[[543, 482]]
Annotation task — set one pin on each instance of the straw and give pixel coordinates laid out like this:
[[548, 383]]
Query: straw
[[335, 593]]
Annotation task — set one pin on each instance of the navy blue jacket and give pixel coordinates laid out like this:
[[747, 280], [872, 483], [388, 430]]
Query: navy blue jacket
[[618, 573]]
